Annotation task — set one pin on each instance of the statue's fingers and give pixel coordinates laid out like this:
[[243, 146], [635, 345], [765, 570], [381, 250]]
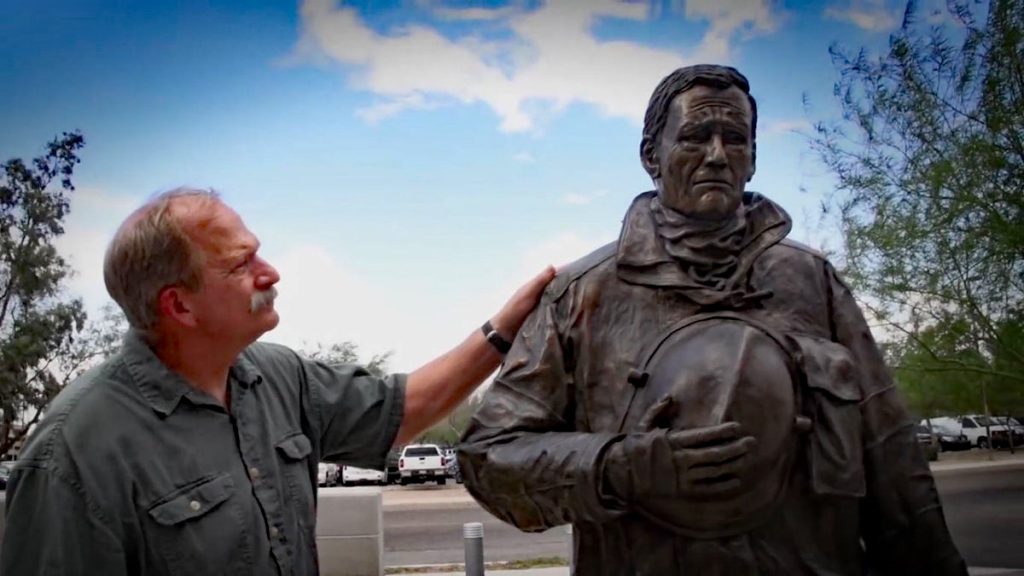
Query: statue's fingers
[[656, 413], [704, 436]]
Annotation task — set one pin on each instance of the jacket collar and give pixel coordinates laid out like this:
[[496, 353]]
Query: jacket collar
[[642, 258]]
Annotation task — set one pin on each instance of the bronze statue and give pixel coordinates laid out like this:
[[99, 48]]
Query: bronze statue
[[703, 396]]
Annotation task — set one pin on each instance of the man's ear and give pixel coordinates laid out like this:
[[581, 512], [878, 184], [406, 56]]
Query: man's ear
[[753, 167], [173, 305], [649, 158]]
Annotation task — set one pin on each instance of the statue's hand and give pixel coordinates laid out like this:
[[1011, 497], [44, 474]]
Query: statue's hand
[[684, 463]]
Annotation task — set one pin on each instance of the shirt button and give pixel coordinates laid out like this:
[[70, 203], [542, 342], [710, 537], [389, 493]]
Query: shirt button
[[254, 472], [194, 505], [273, 532]]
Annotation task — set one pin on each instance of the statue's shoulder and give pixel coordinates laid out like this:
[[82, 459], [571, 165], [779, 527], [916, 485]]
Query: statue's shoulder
[[800, 247], [575, 270]]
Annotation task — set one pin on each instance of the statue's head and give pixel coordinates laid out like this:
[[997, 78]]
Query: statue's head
[[699, 140]]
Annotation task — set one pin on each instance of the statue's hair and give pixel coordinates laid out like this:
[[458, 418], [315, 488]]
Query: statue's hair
[[152, 250], [685, 78]]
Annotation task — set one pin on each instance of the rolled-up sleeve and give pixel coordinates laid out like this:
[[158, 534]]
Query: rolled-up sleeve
[[54, 529], [355, 413]]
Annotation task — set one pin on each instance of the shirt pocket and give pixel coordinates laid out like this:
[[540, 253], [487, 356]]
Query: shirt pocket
[[197, 528], [294, 452], [832, 401]]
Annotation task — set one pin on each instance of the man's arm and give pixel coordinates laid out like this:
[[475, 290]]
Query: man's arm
[[435, 389], [903, 528], [52, 528]]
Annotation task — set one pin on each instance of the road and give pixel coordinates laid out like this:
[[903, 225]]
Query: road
[[984, 508], [985, 512]]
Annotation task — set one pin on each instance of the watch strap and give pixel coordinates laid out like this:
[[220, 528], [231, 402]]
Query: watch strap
[[496, 340]]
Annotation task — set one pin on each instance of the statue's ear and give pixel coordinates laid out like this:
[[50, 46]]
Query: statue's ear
[[649, 158]]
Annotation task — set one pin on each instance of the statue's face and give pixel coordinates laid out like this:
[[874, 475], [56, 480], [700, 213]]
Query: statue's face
[[704, 156]]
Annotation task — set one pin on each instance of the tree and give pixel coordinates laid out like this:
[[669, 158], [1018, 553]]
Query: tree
[[347, 353], [929, 164], [38, 322], [448, 431]]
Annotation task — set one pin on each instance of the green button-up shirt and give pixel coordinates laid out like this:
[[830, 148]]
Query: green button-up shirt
[[133, 471]]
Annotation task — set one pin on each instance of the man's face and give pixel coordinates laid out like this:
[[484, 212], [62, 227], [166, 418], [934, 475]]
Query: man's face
[[236, 300], [704, 156]]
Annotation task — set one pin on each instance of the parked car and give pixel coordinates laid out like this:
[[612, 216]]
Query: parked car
[[1010, 426], [421, 463], [5, 473], [950, 438], [392, 474], [452, 468], [977, 428], [929, 442], [327, 474], [352, 475]]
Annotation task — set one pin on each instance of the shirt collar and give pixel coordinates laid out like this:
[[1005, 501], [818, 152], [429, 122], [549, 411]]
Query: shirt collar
[[164, 388]]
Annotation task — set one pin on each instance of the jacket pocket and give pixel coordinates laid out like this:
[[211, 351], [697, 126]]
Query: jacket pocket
[[832, 401]]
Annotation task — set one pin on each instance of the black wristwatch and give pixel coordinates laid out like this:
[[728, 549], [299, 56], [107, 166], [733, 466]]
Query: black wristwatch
[[499, 343]]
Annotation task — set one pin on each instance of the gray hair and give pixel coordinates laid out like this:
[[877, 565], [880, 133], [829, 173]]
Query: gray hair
[[152, 250]]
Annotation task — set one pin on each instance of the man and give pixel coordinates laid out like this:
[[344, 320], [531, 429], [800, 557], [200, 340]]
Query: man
[[194, 450], [703, 396]]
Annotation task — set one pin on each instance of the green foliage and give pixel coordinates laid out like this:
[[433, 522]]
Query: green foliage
[[448, 431], [347, 353], [929, 163], [37, 322]]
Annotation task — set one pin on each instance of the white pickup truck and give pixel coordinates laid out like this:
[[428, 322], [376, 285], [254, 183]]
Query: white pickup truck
[[421, 463]]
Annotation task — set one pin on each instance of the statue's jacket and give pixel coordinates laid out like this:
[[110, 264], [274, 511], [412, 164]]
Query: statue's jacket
[[841, 488]]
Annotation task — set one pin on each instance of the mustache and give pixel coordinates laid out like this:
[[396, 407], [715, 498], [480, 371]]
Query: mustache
[[262, 299]]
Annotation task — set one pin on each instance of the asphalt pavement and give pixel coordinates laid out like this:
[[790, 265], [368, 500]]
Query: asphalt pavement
[[982, 495]]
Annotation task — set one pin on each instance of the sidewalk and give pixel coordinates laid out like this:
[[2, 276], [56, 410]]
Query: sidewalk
[[971, 459]]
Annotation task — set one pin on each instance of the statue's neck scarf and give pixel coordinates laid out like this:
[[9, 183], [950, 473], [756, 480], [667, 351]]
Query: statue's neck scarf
[[709, 262]]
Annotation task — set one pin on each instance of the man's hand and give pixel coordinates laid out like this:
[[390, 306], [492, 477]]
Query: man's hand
[[687, 463], [512, 315]]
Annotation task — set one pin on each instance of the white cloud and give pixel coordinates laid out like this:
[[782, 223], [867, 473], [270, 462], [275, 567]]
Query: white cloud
[[727, 19], [558, 251], [551, 61], [578, 199], [322, 300], [870, 15], [467, 14], [524, 157], [94, 217], [785, 126]]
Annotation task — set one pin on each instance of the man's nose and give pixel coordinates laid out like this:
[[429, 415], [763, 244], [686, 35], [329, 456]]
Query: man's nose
[[267, 275], [715, 156]]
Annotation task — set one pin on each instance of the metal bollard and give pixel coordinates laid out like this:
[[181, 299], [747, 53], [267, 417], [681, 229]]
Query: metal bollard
[[473, 532], [572, 550]]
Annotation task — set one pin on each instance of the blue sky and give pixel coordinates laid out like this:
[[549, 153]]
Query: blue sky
[[406, 164]]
